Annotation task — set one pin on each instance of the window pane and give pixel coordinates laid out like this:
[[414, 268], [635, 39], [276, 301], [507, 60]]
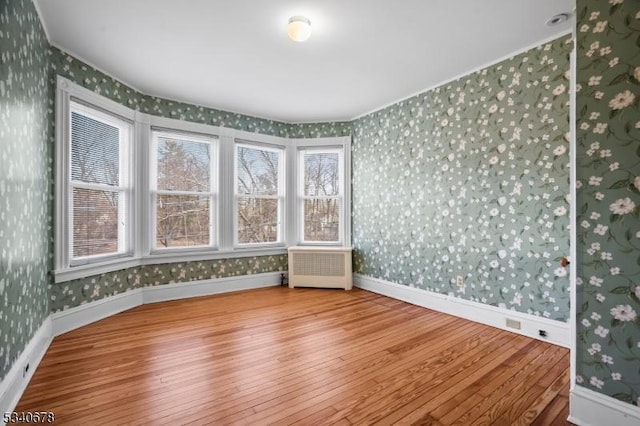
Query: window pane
[[182, 221], [321, 173], [95, 222], [322, 219], [257, 220], [183, 165], [257, 171], [95, 150]]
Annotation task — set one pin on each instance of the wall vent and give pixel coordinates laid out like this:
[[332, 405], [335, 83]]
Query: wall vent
[[328, 267]]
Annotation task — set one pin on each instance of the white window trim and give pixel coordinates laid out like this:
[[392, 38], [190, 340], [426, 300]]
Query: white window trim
[[212, 194], [281, 197], [301, 197], [124, 187], [142, 252], [64, 94], [343, 144]]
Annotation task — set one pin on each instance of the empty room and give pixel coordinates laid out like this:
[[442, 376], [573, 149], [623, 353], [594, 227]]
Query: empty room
[[320, 212]]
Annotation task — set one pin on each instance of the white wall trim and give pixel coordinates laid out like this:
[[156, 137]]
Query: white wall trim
[[76, 317], [573, 208], [589, 408], [558, 332], [163, 293], [16, 381]]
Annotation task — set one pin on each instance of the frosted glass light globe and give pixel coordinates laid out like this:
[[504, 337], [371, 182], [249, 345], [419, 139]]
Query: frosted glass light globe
[[299, 28]]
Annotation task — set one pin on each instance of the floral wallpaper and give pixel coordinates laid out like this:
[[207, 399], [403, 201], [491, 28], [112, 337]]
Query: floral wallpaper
[[608, 199], [320, 130], [471, 179], [67, 66], [81, 291], [25, 204]]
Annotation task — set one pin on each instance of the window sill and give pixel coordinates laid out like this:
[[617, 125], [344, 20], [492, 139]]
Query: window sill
[[320, 244], [87, 270], [84, 271], [157, 258]]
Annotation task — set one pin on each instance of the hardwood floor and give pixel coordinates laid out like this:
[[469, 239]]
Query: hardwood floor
[[306, 356]]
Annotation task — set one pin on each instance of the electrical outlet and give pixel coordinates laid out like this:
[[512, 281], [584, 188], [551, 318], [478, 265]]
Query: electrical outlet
[[284, 278], [513, 324], [460, 281]]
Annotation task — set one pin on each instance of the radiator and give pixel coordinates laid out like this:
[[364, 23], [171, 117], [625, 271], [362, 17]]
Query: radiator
[[328, 267]]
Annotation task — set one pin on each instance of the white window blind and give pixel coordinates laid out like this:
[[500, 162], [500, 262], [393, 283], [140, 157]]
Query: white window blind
[[99, 184]]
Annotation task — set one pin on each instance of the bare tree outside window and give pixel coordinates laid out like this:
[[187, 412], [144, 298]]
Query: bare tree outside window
[[322, 196], [183, 201], [258, 202]]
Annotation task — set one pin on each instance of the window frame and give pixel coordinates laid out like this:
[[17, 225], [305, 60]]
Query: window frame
[[68, 95], [123, 189], [301, 197], [212, 141], [342, 143], [281, 197]]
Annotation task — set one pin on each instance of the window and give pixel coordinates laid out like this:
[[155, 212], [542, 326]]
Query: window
[[259, 187], [136, 189], [183, 191], [99, 184], [321, 195]]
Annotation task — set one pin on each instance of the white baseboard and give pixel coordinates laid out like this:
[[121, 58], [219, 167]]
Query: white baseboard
[[163, 293], [589, 408], [88, 313], [558, 332], [79, 316], [16, 381]]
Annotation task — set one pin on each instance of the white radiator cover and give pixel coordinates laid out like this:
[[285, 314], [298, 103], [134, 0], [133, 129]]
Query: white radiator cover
[[327, 267]]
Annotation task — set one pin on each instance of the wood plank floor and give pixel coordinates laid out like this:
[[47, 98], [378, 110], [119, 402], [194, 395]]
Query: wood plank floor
[[301, 356]]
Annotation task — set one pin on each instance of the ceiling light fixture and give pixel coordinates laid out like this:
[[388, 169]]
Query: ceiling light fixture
[[557, 19], [299, 28]]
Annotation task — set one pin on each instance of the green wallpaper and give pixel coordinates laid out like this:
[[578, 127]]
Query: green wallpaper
[[608, 151], [25, 173], [471, 179], [80, 291], [319, 130]]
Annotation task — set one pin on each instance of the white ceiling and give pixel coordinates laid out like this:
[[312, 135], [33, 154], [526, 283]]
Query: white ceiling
[[234, 55]]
